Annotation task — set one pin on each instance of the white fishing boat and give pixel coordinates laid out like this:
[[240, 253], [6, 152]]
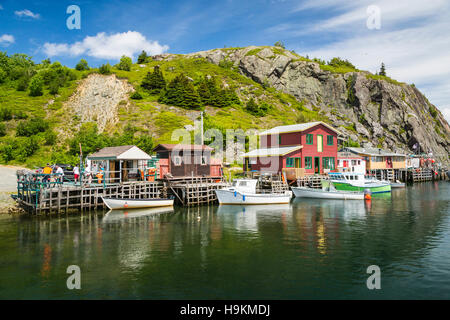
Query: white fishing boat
[[397, 184], [326, 193], [243, 191], [121, 215], [123, 203]]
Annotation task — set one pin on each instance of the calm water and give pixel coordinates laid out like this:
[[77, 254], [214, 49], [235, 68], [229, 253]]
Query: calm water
[[309, 249]]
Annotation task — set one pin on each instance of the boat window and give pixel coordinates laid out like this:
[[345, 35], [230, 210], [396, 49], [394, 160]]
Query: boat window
[[234, 183], [243, 184]]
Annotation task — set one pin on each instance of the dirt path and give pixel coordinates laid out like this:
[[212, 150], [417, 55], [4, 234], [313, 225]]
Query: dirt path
[[8, 185]]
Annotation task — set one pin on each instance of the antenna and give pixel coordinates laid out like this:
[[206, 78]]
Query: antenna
[[201, 127]]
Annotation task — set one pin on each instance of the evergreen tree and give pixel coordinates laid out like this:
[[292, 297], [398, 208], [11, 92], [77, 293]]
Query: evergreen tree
[[180, 92], [142, 57], [154, 81], [252, 106], [382, 70]]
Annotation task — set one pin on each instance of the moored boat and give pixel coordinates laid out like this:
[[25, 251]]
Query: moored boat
[[121, 214], [397, 184], [243, 191], [304, 192], [349, 181], [123, 203]]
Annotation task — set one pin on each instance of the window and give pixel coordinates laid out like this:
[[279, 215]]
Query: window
[[330, 140], [243, 184], [177, 160], [289, 162], [279, 139], [204, 160], [308, 162], [319, 143], [328, 163], [309, 139]]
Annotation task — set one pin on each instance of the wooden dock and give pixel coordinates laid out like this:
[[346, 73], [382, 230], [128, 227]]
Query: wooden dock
[[195, 191]]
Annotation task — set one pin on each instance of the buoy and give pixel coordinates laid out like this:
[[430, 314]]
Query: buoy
[[125, 205], [367, 194]]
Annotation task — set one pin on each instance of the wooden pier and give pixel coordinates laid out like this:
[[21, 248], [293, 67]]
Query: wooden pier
[[195, 191]]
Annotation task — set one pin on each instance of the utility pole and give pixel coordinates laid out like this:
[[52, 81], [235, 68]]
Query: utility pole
[[201, 127]]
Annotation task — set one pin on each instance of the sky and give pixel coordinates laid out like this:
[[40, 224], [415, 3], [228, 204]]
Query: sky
[[412, 37]]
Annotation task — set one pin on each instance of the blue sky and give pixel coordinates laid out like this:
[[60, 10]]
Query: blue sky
[[410, 36]]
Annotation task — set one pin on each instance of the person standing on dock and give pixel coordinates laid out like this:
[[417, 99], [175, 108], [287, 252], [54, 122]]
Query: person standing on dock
[[88, 174], [60, 173], [47, 171], [76, 173]]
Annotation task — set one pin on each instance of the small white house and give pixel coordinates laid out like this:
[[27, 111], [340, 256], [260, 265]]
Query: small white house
[[120, 164], [349, 162]]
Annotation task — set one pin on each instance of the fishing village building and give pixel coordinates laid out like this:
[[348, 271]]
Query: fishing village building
[[120, 164], [179, 160], [300, 149], [350, 162], [379, 159]]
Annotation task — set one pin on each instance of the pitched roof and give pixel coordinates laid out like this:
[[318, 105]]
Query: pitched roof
[[271, 152], [120, 152], [296, 128], [171, 147], [374, 152]]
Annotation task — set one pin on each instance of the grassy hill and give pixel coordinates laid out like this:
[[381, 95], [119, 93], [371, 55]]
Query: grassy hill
[[40, 128]]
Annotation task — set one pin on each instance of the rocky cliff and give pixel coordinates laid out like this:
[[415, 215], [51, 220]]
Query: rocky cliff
[[376, 111], [97, 99]]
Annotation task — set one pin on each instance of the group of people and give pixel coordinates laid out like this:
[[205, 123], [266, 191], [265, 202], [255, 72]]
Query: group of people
[[49, 170], [55, 173]]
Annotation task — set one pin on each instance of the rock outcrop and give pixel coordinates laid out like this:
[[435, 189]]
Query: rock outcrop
[[97, 99], [376, 112]]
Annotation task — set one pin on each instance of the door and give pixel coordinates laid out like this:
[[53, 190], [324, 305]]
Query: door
[[298, 163], [317, 165]]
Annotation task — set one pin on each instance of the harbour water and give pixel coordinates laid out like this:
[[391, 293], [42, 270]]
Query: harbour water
[[315, 249]]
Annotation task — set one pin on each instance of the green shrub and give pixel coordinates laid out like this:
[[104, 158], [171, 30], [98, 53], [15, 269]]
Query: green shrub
[[36, 86], [2, 129], [257, 110], [31, 127], [22, 84], [125, 63], [433, 111], [82, 65], [50, 137], [136, 96], [105, 69], [5, 114]]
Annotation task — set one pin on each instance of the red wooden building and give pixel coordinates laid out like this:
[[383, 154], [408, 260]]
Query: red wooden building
[[312, 146], [187, 160]]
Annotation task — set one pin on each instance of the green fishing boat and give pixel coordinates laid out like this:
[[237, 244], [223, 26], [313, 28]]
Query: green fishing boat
[[348, 181]]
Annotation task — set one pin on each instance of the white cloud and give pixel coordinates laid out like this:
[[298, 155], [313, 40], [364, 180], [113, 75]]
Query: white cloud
[[105, 46], [6, 40], [27, 13]]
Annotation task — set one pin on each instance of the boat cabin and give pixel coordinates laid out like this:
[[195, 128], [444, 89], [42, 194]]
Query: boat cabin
[[245, 185], [350, 162]]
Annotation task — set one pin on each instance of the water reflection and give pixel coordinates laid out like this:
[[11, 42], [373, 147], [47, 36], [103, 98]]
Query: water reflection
[[310, 248]]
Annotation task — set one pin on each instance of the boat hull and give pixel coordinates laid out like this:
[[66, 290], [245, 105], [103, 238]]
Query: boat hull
[[117, 204], [378, 188], [236, 197], [303, 192]]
